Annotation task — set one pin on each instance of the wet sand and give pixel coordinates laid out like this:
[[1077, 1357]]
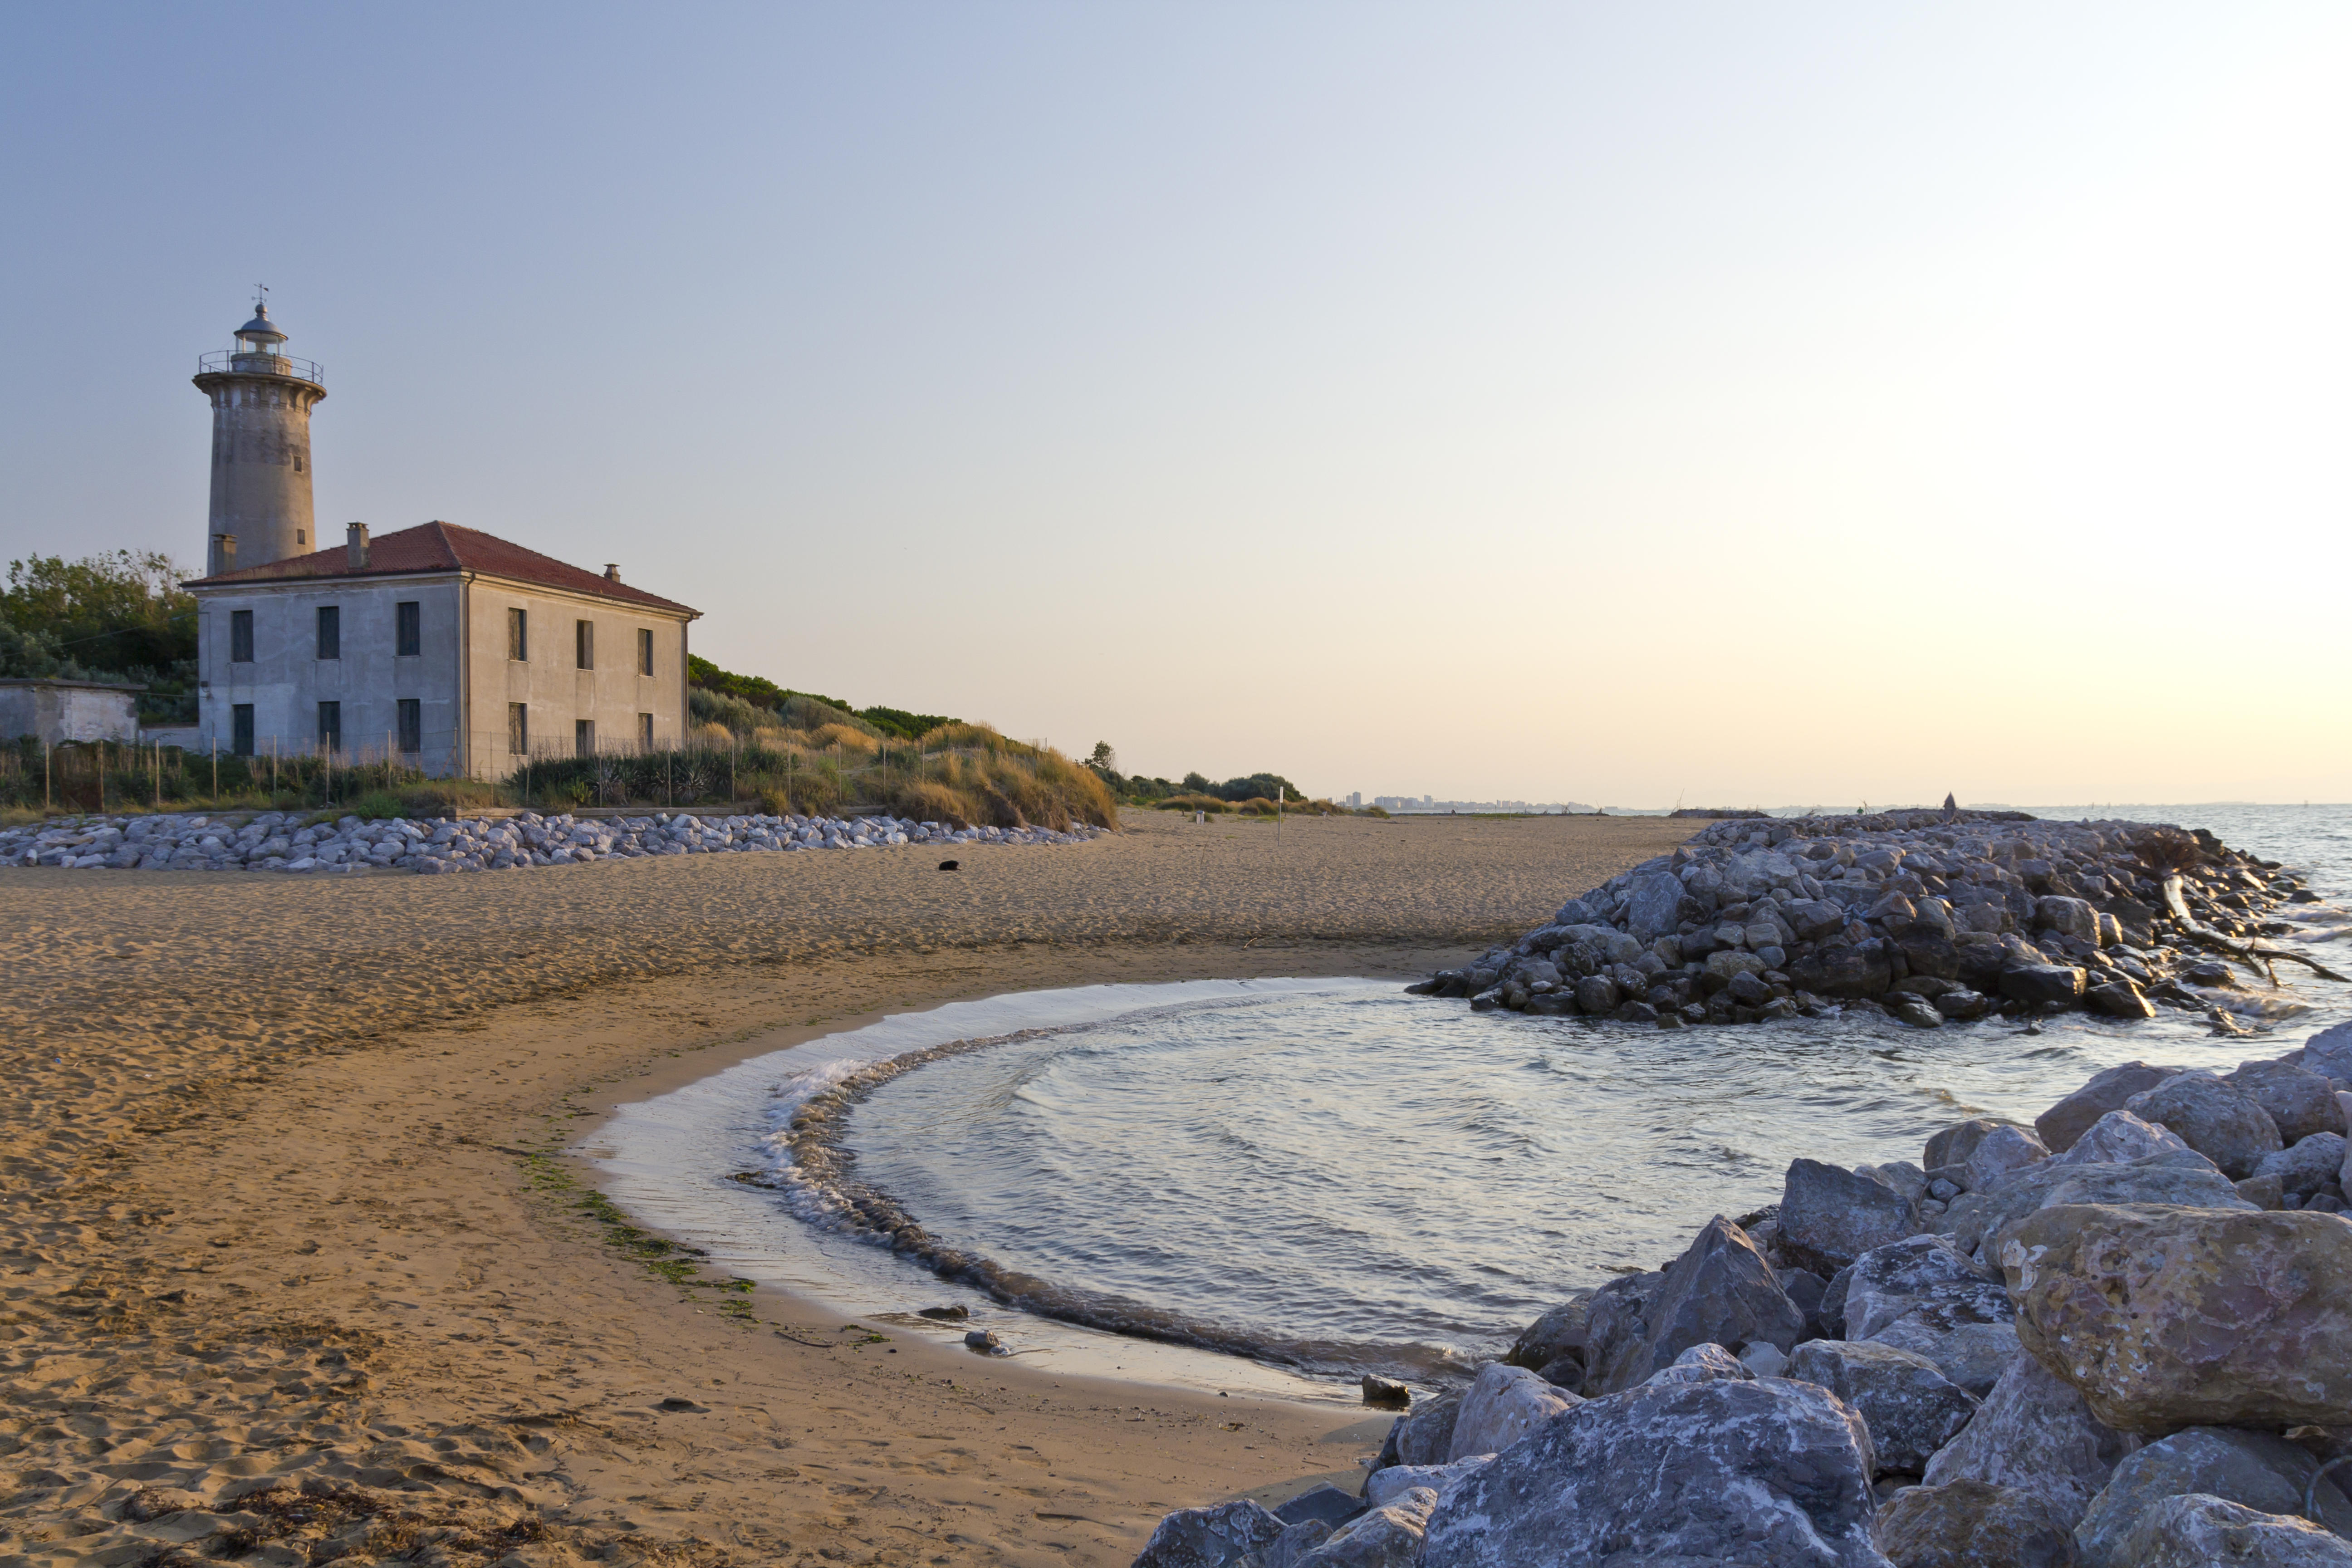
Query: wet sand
[[287, 1253]]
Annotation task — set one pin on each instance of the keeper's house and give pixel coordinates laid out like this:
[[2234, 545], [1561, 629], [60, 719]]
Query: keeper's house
[[456, 651]]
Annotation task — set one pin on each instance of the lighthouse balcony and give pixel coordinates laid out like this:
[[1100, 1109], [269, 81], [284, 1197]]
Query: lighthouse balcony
[[237, 361]]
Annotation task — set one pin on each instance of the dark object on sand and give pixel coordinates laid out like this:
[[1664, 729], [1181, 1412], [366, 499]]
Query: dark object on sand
[[946, 1314], [1385, 1391], [984, 1340], [950, 865]]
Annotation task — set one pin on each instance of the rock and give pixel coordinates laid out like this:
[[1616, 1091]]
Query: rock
[[2068, 917], [2056, 984], [1720, 1291], [2311, 1164], [2119, 998], [1843, 969], [1390, 1485], [1967, 1524], [1913, 1409], [2167, 1318], [1705, 1364], [1728, 1472], [2329, 1052], [1892, 1282], [2071, 1117], [2119, 1137], [1763, 1359], [1209, 1536], [1929, 949], [1960, 1004], [1914, 1010], [2182, 1178], [1653, 906], [1954, 1144], [1597, 994], [2034, 1433], [984, 1339], [2000, 1152], [1385, 1391], [2300, 1101], [1499, 1408], [1388, 1537], [1615, 1328], [1558, 1333], [2198, 1531], [1322, 1501], [1830, 1216], [2218, 1119], [2257, 1470], [1425, 1437]]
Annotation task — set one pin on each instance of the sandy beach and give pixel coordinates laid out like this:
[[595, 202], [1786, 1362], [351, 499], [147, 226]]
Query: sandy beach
[[290, 1276]]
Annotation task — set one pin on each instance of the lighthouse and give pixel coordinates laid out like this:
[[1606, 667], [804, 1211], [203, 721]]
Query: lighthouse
[[261, 448]]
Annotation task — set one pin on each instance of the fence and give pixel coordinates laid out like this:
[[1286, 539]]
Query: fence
[[108, 775]]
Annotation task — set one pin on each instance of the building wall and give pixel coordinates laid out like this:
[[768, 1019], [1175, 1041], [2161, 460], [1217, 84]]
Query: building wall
[[57, 710], [555, 692], [286, 680]]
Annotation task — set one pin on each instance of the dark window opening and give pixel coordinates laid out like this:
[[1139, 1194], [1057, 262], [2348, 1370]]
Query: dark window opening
[[330, 632], [644, 653], [584, 643], [330, 726], [519, 634], [645, 728], [583, 737], [412, 724], [240, 637], [408, 628], [519, 726], [240, 726]]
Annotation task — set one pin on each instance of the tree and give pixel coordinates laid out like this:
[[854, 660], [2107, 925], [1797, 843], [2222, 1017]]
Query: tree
[[1104, 760], [119, 612]]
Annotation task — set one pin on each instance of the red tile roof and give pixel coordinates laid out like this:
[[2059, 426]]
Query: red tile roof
[[446, 547]]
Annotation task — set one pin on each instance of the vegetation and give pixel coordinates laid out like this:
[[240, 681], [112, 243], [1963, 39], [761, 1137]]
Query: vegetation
[[112, 775], [749, 695], [119, 615], [1259, 794]]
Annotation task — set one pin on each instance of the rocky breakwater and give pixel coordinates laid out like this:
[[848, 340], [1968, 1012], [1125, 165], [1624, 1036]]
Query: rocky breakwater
[[1927, 916], [2120, 1337], [314, 842]]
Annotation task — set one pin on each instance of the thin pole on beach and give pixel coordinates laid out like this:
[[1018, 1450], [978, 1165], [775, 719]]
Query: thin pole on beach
[[46, 806], [215, 770]]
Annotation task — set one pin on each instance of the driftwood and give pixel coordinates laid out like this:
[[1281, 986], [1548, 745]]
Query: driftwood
[[2258, 959]]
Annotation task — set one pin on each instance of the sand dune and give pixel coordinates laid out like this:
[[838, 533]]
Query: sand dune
[[278, 1262]]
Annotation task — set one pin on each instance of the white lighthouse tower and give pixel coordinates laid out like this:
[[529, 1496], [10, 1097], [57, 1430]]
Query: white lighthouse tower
[[261, 448]]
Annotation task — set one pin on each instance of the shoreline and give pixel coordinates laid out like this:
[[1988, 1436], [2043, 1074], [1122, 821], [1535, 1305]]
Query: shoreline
[[271, 1236]]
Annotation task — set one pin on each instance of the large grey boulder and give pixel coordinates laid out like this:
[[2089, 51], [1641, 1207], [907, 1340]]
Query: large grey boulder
[[2057, 984], [1209, 1536], [2194, 1531], [2218, 1119], [2035, 1433], [1390, 1485], [2106, 1090], [2000, 1152], [1923, 1296], [2329, 1052], [2299, 1101], [1426, 1436], [2258, 1470], [1720, 1291], [1829, 1216], [1616, 1328], [2314, 1162], [1911, 1408], [2181, 1177], [1388, 1537], [2167, 1318], [1501, 1406], [1559, 1334], [1967, 1524], [1298, 1538], [1653, 906], [1706, 1364], [1954, 1144], [1769, 1472], [2119, 1137]]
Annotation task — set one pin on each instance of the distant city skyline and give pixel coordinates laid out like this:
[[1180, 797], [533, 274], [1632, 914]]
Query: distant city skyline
[[1692, 400]]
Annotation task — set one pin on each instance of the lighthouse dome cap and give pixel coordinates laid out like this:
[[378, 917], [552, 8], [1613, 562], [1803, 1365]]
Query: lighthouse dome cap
[[261, 326]]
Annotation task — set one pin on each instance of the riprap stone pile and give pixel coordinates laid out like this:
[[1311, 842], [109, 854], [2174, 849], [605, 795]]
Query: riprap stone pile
[[1925, 915], [2120, 1338], [279, 841]]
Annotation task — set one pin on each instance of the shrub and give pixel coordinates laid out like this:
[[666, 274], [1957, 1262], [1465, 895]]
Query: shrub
[[1191, 803]]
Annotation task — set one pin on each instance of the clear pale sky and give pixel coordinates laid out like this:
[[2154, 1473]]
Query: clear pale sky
[[1752, 404]]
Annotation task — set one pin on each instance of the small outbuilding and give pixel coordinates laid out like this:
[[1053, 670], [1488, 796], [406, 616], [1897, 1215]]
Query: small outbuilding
[[58, 711]]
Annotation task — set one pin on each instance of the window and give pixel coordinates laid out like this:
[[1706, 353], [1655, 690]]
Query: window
[[583, 737], [240, 722], [407, 629], [412, 724], [519, 634], [584, 643], [646, 652], [330, 632], [240, 638], [330, 726], [300, 539], [517, 725], [645, 726]]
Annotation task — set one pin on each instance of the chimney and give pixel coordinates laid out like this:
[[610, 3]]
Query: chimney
[[224, 553], [612, 571], [356, 547]]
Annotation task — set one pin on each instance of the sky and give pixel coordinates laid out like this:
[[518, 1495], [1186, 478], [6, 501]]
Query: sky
[[1731, 405]]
